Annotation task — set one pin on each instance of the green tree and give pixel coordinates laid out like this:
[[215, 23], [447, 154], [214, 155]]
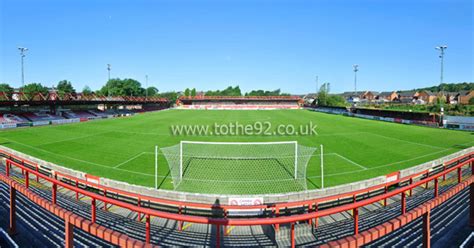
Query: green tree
[[172, 96], [31, 89], [152, 91], [65, 87], [336, 101], [471, 101], [86, 90], [187, 92], [323, 95], [7, 89], [193, 92], [276, 92], [122, 87], [229, 91]]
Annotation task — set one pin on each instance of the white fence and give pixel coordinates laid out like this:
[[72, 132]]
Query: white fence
[[64, 121], [7, 125]]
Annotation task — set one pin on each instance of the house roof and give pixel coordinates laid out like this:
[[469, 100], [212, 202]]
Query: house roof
[[406, 93], [310, 95], [465, 92], [386, 93], [353, 93], [429, 93]]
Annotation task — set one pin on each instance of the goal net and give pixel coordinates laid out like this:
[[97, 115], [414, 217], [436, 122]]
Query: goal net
[[238, 167]]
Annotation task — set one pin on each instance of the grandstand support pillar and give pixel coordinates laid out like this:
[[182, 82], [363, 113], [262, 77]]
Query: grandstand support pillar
[[444, 175], [218, 236], [77, 193], [385, 199], [459, 175], [139, 215], [105, 203], [180, 223], [7, 168], [472, 167], [12, 227], [147, 227], [426, 230], [436, 187], [53, 193], [27, 179], [69, 234], [292, 235], [277, 213], [471, 205], [93, 209], [316, 219], [310, 208], [404, 202], [356, 221], [37, 174], [225, 226], [411, 189]]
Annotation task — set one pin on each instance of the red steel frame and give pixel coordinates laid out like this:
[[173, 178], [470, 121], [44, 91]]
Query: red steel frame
[[276, 221]]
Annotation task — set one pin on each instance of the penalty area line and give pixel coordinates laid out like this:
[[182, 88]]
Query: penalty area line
[[128, 160], [350, 161]]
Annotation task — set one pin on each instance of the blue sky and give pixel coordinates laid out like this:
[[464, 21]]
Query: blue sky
[[255, 44]]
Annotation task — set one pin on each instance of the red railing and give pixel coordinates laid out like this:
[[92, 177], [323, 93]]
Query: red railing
[[312, 215], [225, 207]]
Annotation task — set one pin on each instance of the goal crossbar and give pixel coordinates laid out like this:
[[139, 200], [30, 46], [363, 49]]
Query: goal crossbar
[[238, 143]]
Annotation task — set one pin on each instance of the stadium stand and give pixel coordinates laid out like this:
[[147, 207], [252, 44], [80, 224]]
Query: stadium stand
[[41, 116], [6, 118], [340, 224], [19, 110], [241, 102], [82, 115]]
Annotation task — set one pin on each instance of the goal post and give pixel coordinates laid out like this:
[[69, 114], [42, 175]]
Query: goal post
[[240, 165]]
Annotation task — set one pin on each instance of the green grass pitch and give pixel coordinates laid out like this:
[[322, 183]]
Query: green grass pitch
[[123, 148]]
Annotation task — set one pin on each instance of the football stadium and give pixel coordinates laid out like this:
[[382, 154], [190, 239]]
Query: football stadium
[[229, 171], [236, 124]]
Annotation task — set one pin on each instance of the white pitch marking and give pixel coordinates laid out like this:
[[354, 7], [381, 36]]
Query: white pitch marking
[[350, 161], [128, 160]]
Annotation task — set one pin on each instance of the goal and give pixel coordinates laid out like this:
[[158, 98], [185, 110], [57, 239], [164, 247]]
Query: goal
[[238, 167]]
